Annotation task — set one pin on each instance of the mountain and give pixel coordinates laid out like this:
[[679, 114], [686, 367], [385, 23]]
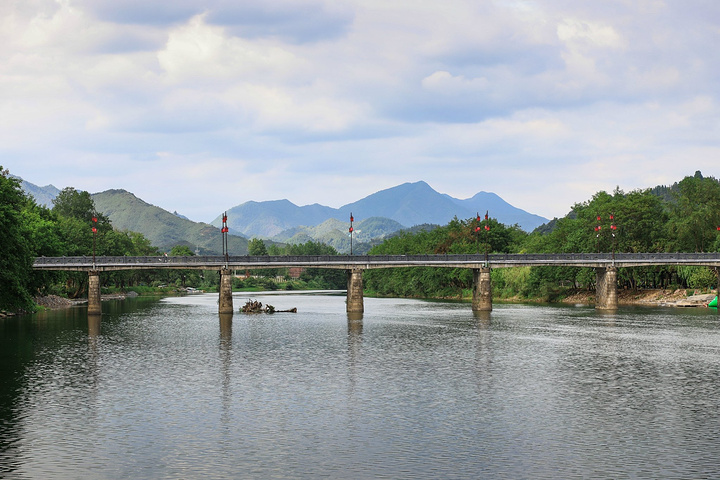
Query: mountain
[[500, 209], [377, 216], [42, 195], [408, 204], [162, 228], [267, 219]]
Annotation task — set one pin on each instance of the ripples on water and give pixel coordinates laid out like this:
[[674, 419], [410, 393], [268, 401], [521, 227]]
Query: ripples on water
[[168, 389]]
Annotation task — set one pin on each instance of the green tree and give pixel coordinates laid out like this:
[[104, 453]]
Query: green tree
[[44, 239], [76, 204], [141, 245], [319, 277], [182, 277], [16, 255], [695, 214], [256, 247], [457, 237], [181, 251]]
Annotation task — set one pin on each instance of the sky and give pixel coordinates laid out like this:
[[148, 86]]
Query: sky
[[199, 106]]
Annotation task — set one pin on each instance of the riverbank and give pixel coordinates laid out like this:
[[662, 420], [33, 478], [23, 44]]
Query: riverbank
[[662, 298], [55, 301]]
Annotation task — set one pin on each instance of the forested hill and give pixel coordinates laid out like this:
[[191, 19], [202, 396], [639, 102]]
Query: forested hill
[[639, 221], [164, 229]]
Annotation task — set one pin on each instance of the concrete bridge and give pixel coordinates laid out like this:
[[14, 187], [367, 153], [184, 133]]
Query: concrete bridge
[[605, 265]]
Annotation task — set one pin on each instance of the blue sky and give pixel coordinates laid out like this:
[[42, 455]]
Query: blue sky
[[198, 106]]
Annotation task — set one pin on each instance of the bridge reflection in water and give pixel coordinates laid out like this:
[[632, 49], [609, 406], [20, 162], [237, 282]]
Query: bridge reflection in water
[[605, 265]]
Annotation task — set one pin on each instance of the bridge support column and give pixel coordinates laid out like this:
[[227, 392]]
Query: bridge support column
[[482, 290], [355, 291], [225, 304], [94, 302], [606, 288]]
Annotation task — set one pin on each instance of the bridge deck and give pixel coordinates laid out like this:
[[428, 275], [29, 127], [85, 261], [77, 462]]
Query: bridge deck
[[347, 262]]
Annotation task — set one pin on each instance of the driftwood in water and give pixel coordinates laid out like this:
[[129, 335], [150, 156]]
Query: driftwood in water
[[253, 306]]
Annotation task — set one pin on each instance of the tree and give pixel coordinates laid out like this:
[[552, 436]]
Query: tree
[[256, 247], [16, 255], [183, 276], [457, 237], [181, 251], [695, 214], [44, 240], [75, 204]]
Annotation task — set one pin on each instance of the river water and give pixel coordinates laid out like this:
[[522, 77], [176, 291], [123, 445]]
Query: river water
[[166, 389]]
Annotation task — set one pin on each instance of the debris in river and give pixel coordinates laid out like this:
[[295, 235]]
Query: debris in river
[[253, 306]]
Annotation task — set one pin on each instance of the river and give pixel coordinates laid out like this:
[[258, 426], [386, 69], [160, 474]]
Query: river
[[166, 389]]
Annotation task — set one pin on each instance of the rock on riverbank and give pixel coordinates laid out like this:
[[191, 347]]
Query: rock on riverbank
[[53, 301], [663, 298]]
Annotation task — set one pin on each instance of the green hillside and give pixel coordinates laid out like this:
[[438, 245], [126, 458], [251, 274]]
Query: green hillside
[[162, 228], [335, 233]]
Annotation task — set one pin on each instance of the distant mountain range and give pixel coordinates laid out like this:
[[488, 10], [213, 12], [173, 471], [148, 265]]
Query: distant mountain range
[[42, 195], [408, 204], [376, 216]]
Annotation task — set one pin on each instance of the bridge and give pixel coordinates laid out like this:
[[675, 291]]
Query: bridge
[[605, 265]]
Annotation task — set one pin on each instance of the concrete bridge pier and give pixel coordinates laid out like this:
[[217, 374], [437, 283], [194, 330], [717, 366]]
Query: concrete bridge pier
[[482, 290], [225, 304], [606, 288], [94, 302], [355, 291]]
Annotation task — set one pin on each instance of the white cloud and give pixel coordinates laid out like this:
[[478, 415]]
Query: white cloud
[[578, 34], [444, 83], [198, 52], [542, 102]]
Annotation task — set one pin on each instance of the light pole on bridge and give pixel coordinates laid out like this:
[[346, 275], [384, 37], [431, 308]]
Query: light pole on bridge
[[478, 230], [351, 230], [225, 238], [613, 231], [94, 231]]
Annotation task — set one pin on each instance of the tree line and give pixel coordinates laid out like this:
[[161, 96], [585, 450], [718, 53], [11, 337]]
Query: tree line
[[31, 230], [682, 218]]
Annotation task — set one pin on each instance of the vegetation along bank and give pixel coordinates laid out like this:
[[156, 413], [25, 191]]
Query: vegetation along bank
[[683, 217]]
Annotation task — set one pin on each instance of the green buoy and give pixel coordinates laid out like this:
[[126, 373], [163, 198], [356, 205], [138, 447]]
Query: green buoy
[[713, 303]]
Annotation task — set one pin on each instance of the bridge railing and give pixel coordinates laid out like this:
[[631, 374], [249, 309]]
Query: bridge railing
[[374, 261]]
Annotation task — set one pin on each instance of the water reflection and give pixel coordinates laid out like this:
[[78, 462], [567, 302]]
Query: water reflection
[[483, 318], [408, 389], [225, 328], [94, 326], [608, 317], [354, 339], [226, 352]]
